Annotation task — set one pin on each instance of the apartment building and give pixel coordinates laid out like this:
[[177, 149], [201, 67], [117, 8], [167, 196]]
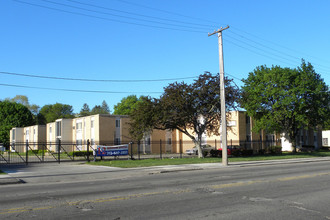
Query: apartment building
[[34, 135], [100, 130], [239, 133], [305, 137]]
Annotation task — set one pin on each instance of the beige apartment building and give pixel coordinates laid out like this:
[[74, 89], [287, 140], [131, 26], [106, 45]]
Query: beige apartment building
[[73, 133], [98, 129], [239, 133], [114, 130], [34, 135]]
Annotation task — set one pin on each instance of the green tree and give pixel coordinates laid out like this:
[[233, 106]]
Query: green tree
[[13, 115], [284, 100], [193, 109], [105, 107], [126, 105], [85, 111], [101, 109], [24, 100], [50, 113]]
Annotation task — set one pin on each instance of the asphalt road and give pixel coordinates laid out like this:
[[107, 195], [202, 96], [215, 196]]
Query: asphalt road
[[242, 191]]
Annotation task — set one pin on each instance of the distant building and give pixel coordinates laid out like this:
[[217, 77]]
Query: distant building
[[34, 135], [326, 138], [306, 137]]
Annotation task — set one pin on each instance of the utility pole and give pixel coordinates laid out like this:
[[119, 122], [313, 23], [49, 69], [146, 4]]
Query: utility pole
[[223, 122]]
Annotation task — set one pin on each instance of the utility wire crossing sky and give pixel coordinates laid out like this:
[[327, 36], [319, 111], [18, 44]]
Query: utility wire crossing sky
[[83, 51]]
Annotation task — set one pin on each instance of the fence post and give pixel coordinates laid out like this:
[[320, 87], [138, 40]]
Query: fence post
[[88, 143], [27, 152], [139, 149], [59, 150], [10, 147], [43, 152], [180, 148], [131, 143], [160, 148], [73, 148], [215, 144], [231, 142]]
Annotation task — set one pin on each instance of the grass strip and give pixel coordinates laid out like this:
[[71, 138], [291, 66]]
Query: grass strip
[[178, 161]]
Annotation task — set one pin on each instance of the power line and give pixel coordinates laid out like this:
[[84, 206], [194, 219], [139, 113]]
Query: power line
[[109, 19], [96, 80], [170, 28], [272, 56], [140, 15], [74, 90], [167, 12], [201, 19], [276, 44], [120, 16], [260, 54], [325, 68]]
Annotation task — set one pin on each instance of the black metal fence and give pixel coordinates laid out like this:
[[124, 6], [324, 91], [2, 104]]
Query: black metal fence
[[30, 152]]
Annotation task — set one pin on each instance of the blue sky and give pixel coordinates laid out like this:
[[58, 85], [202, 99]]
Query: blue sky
[[150, 40]]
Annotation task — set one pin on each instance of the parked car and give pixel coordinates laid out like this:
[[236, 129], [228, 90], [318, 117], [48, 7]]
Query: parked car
[[231, 150], [194, 150]]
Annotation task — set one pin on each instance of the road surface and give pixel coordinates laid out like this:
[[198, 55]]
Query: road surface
[[250, 191]]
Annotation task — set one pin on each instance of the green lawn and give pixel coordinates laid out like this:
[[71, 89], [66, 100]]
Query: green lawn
[[178, 161]]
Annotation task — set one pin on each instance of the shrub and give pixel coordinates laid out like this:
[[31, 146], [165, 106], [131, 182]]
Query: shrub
[[246, 152], [80, 153], [236, 152], [261, 152], [215, 153], [205, 153], [308, 146], [276, 150]]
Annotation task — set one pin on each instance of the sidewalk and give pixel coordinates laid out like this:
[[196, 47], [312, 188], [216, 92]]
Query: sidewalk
[[80, 172]]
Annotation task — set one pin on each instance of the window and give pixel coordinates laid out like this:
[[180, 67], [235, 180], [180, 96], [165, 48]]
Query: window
[[92, 124], [79, 126], [13, 134], [58, 129], [248, 137], [325, 142], [247, 119], [169, 141], [117, 123], [92, 141]]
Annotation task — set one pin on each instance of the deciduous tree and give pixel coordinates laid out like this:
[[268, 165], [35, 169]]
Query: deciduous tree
[[13, 115], [50, 113], [284, 100], [126, 105], [193, 109]]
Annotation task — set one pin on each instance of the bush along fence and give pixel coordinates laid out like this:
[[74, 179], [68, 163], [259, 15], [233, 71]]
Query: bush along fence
[[58, 151]]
